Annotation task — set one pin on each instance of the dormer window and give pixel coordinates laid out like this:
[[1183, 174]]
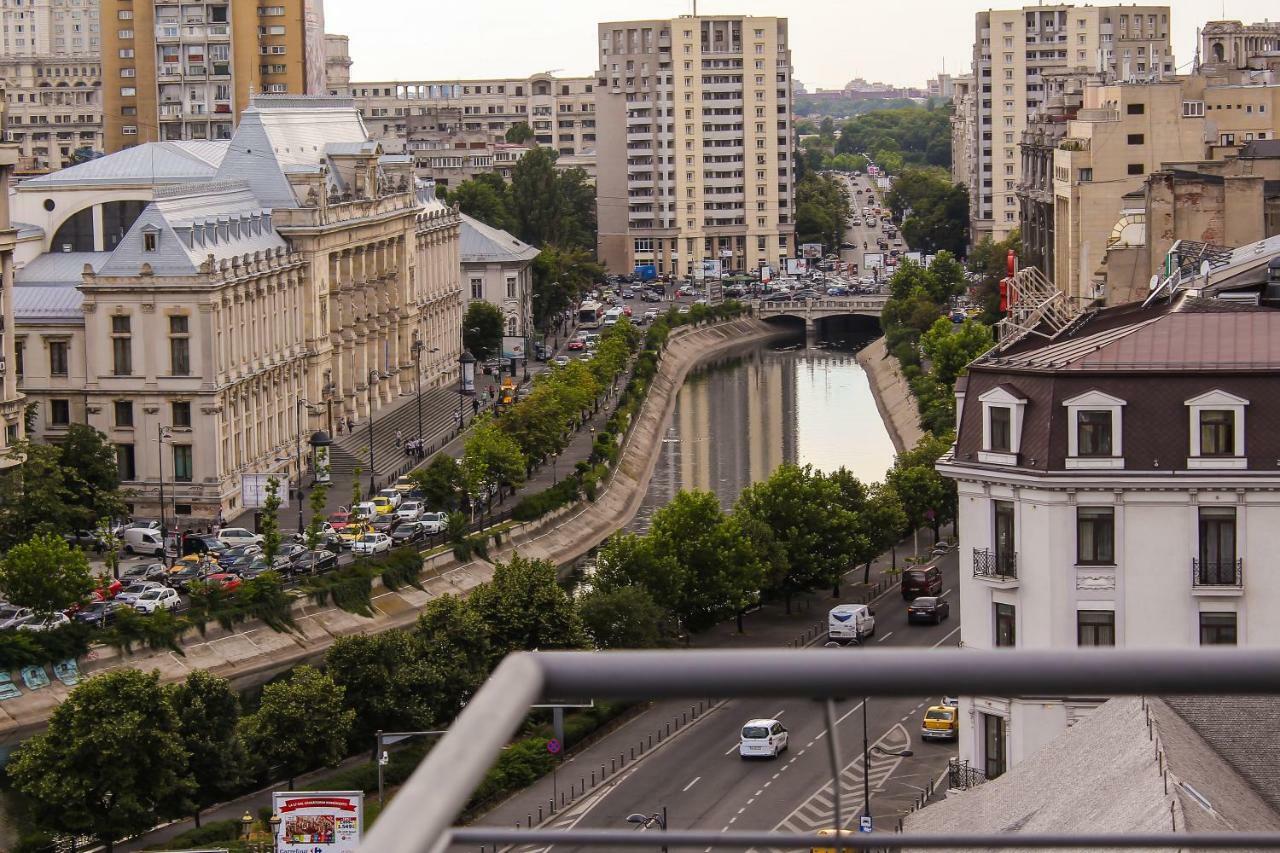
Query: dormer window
[[1094, 434], [150, 239], [1217, 431], [1002, 414]]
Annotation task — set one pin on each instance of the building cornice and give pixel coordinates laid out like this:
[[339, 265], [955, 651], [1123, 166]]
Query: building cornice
[[1111, 481]]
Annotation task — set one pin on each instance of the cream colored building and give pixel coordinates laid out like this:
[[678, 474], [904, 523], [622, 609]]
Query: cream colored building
[[694, 162], [51, 76], [11, 399], [1239, 45], [1012, 50], [498, 269], [303, 269], [964, 129], [175, 71]]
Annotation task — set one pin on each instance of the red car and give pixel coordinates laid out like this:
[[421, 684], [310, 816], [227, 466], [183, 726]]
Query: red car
[[577, 344], [626, 309], [227, 581], [108, 590], [339, 520]]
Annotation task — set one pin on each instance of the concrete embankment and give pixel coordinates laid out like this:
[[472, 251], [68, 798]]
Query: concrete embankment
[[253, 653], [893, 395]]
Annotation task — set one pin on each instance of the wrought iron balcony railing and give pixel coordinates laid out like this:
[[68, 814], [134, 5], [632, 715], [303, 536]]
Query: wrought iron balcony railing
[[1217, 573], [961, 776], [1000, 565]]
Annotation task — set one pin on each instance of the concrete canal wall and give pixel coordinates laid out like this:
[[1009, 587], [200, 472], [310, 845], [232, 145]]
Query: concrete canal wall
[[893, 395]]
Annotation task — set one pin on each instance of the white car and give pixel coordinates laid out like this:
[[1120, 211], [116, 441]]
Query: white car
[[232, 536], [560, 360], [371, 543], [57, 620], [392, 495], [433, 522], [762, 738], [409, 511], [157, 599], [134, 591], [13, 616]]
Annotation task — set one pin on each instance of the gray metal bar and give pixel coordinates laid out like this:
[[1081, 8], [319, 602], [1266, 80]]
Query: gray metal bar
[[614, 838], [840, 673], [419, 818]]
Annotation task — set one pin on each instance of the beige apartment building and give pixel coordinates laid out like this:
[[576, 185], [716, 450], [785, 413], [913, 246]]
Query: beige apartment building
[[11, 399], [694, 161], [1013, 51], [964, 129], [51, 76], [1126, 131], [282, 289], [178, 71]]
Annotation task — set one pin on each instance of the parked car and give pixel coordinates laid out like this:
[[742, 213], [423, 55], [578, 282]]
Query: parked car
[[922, 580], [577, 344], [628, 293], [408, 532], [135, 590], [404, 485], [928, 608], [292, 550], [99, 613], [392, 495], [152, 600], [144, 572], [383, 505], [940, 722], [409, 511], [143, 540], [650, 315], [560, 360], [362, 511], [339, 520], [119, 529], [49, 623], [84, 539], [13, 616], [315, 562], [182, 579], [108, 589], [763, 738], [433, 522], [371, 544], [239, 536], [384, 523], [225, 581]]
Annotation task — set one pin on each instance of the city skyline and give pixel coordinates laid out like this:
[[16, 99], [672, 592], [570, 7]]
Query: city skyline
[[518, 45]]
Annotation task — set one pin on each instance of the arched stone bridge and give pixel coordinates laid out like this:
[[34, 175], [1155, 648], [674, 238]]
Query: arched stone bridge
[[813, 310]]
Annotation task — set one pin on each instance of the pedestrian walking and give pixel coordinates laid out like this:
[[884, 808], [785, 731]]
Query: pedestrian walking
[[457, 419], [340, 424], [351, 423], [399, 438], [475, 403]]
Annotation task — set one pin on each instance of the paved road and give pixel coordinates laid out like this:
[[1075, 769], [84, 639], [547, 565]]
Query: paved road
[[702, 782], [859, 234]]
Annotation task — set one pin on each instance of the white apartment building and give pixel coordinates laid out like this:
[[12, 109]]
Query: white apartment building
[[694, 161], [1012, 51], [51, 75], [1117, 486]]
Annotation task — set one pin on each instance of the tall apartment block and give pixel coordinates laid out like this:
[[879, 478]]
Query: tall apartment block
[[1014, 51], [185, 70], [51, 77], [694, 143]]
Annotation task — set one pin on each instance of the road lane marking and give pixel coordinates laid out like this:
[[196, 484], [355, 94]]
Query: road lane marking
[[741, 810], [801, 752], [761, 791], [691, 784], [780, 713], [945, 593], [885, 637], [733, 748], [750, 801], [905, 717]]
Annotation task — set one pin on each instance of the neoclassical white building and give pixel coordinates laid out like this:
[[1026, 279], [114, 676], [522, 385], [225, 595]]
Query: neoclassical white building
[[1119, 484], [498, 269], [210, 319]]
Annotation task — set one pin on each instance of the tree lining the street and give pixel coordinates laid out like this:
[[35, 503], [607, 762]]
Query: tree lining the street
[[822, 210], [482, 330]]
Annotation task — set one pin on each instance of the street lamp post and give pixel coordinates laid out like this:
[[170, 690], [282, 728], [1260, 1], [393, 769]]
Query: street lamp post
[[645, 821], [374, 376], [275, 831], [417, 348], [866, 759], [382, 739], [554, 478], [297, 452], [163, 433]]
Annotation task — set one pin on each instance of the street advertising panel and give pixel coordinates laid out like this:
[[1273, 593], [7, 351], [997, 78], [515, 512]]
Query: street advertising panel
[[915, 258], [811, 251], [708, 269], [928, 261], [726, 253], [873, 260], [882, 183], [253, 490], [766, 274], [513, 346], [797, 266], [320, 463], [318, 821]]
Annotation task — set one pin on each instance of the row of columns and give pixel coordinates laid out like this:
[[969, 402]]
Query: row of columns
[[258, 318], [366, 329]]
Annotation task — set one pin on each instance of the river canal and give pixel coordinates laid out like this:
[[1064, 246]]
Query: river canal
[[738, 418]]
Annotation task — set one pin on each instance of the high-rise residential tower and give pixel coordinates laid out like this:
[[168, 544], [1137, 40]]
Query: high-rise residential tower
[[174, 71], [694, 143]]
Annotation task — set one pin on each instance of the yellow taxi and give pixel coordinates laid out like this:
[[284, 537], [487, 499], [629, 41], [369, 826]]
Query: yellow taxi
[[404, 484], [940, 721], [382, 505], [832, 833], [351, 533]]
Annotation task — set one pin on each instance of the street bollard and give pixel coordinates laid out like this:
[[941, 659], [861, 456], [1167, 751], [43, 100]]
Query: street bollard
[[651, 741], [530, 826], [612, 766], [602, 772], [539, 814], [562, 799], [583, 786], [633, 753], [668, 730], [684, 718], [593, 778]]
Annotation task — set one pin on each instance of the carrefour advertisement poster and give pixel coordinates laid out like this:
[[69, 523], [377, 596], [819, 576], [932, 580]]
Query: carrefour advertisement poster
[[318, 821]]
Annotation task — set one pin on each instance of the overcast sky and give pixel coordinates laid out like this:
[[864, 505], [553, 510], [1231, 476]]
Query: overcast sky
[[832, 41]]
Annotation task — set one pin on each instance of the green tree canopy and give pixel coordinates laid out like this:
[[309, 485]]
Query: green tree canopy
[[950, 348], [627, 559], [454, 642], [111, 763], [560, 277], [623, 618], [482, 330], [441, 482], [301, 724], [486, 197], [207, 712], [490, 458], [386, 681], [910, 136], [524, 607], [45, 574], [93, 475], [519, 132]]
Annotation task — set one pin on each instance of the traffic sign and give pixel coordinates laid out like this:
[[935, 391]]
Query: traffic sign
[[553, 746], [864, 823]]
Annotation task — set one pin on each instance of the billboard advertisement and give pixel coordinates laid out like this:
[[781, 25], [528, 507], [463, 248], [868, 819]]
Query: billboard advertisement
[[797, 266], [646, 272], [766, 274], [915, 257], [513, 346], [320, 463], [873, 260], [708, 269], [318, 821], [253, 490], [811, 251]]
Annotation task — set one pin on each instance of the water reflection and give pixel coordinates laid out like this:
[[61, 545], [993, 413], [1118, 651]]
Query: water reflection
[[739, 418]]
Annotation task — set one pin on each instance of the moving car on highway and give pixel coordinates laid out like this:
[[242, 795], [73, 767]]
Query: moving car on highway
[[928, 608], [846, 622], [762, 738], [941, 722]]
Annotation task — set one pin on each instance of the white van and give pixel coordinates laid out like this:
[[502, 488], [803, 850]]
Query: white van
[[612, 316], [143, 540], [765, 738], [848, 622]]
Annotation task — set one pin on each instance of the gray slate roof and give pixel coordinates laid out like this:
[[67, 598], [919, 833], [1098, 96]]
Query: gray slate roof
[[151, 163], [1241, 730], [45, 289], [479, 243]]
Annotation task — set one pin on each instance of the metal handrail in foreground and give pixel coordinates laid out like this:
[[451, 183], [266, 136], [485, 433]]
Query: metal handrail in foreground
[[420, 818]]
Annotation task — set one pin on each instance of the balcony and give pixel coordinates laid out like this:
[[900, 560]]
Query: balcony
[[1217, 577], [996, 566], [961, 776]]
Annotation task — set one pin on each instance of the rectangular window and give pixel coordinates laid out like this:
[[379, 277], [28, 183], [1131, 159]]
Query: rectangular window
[[1136, 109], [1095, 536], [511, 287], [1217, 629], [1004, 538], [1136, 139], [128, 92], [59, 412], [1192, 109], [1217, 551], [122, 356], [17, 358], [180, 356], [58, 358], [1217, 432], [1093, 433], [1001, 429], [1095, 628], [1136, 169], [181, 415], [477, 288], [1005, 634], [182, 463], [993, 746], [123, 413], [125, 462]]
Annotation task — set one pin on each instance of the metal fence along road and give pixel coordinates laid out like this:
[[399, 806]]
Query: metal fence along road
[[420, 818]]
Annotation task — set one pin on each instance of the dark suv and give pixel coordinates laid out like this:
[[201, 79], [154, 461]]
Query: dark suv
[[924, 580]]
